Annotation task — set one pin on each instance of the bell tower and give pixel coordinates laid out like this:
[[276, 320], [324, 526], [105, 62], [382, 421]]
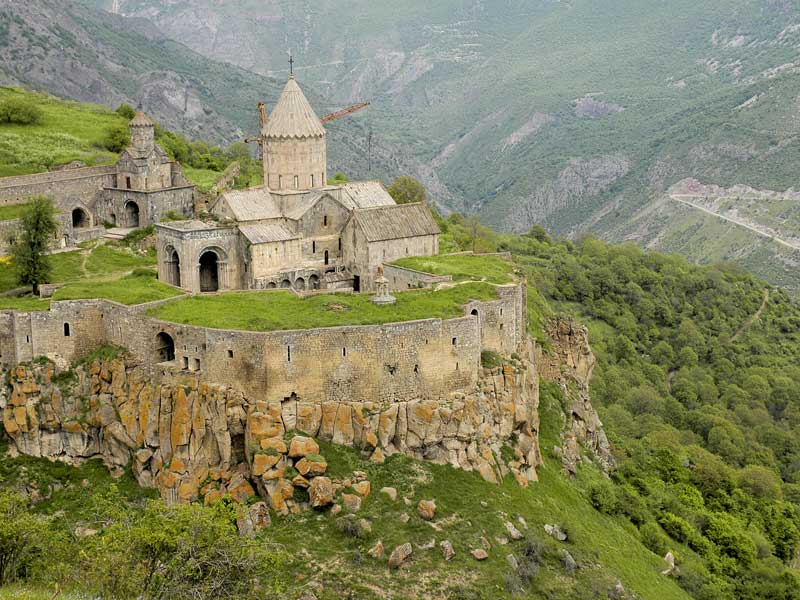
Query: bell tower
[[143, 135]]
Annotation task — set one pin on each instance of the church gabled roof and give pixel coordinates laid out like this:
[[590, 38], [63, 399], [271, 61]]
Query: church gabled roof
[[266, 233], [253, 204], [365, 194], [395, 222], [293, 116]]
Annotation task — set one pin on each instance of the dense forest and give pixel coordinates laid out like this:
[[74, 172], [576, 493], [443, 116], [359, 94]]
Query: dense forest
[[698, 385]]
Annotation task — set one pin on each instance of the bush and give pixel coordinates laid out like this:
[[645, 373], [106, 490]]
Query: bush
[[20, 111], [117, 138], [654, 539], [491, 359], [604, 498], [126, 111], [677, 527]]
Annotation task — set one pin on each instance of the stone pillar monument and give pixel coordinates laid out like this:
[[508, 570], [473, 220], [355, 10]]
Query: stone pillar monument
[[382, 295]]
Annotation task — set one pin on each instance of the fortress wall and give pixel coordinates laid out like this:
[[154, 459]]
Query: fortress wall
[[73, 184], [390, 363]]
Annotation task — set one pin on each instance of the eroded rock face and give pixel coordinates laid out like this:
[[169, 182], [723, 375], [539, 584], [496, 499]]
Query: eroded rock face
[[570, 363], [194, 440]]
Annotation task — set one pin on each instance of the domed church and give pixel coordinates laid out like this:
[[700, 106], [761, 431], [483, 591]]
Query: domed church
[[295, 230]]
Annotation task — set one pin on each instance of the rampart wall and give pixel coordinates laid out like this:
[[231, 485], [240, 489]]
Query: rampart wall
[[78, 184], [389, 363]]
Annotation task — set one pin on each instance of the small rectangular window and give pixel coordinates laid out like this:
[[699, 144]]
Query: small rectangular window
[[186, 363], [196, 364], [312, 180], [455, 340], [344, 351], [296, 182], [66, 329], [230, 353], [288, 354]]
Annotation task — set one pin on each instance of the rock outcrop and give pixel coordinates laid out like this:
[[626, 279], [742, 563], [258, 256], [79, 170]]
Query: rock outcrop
[[193, 440], [569, 363]]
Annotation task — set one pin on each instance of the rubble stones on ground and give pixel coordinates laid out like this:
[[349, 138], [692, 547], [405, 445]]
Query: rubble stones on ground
[[426, 509], [479, 554], [569, 563], [320, 492], [351, 502], [362, 488], [390, 492], [556, 532], [399, 555], [377, 551], [513, 532], [448, 552], [512, 562]]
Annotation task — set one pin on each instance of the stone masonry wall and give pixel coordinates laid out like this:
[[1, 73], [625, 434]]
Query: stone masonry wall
[[191, 440], [78, 184]]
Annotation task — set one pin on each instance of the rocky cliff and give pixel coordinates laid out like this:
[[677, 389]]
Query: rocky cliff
[[569, 363], [192, 440]]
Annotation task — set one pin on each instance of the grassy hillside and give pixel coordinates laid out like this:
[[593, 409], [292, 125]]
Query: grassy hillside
[[68, 131]]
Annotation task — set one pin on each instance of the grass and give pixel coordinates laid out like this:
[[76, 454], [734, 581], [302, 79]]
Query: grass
[[204, 179], [462, 267], [136, 288], [13, 211], [281, 310], [97, 271], [68, 131]]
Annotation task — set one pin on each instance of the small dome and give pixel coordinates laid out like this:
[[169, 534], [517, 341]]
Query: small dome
[[142, 120]]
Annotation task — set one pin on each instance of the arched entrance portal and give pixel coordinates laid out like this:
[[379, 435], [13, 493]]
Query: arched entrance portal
[[80, 219], [209, 271], [173, 266], [313, 282], [132, 214], [286, 283], [300, 283], [165, 346]]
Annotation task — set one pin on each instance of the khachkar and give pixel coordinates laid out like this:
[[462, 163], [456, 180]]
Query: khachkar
[[382, 295]]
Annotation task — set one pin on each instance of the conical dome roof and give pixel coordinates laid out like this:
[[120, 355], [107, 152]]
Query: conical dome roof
[[293, 116], [141, 120]]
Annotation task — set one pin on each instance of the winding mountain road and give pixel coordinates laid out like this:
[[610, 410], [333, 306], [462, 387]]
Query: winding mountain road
[[682, 198]]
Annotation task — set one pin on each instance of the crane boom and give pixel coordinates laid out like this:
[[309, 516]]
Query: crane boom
[[344, 112]]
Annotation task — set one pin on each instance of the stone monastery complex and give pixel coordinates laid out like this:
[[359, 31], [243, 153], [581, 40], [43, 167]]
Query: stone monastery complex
[[187, 401]]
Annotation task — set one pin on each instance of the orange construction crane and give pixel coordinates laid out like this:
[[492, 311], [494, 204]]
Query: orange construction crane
[[344, 112]]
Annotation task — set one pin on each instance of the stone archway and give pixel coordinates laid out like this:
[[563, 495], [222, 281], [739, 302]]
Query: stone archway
[[299, 283], [271, 285], [131, 214], [173, 263], [165, 347], [209, 271], [80, 219], [286, 283], [313, 282]]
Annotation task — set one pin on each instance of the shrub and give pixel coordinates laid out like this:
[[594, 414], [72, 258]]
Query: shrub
[[654, 539], [126, 111], [117, 138], [677, 527], [490, 359], [604, 498], [20, 111]]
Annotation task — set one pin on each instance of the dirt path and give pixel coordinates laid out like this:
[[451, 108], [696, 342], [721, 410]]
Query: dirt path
[[754, 318], [682, 199]]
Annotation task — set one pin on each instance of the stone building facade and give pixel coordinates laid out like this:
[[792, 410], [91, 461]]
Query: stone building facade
[[295, 230], [139, 190]]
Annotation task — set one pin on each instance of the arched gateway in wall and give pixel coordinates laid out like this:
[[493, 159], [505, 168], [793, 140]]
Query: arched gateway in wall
[[165, 347], [131, 214], [211, 265]]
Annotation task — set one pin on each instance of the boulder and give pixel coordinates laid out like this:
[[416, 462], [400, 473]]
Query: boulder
[[377, 551], [302, 446], [513, 532], [448, 552], [311, 466], [351, 502], [426, 509], [251, 521], [378, 457], [399, 555], [362, 488], [390, 492], [320, 492], [479, 554]]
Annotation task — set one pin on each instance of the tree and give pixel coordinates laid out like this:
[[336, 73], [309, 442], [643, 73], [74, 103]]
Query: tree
[[117, 138], [29, 250], [21, 111], [406, 190], [538, 232], [338, 179], [126, 111], [473, 225]]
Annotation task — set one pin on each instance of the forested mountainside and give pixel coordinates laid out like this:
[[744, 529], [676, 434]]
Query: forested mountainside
[[566, 113]]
